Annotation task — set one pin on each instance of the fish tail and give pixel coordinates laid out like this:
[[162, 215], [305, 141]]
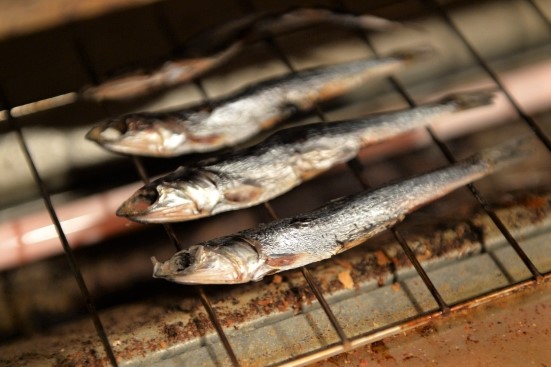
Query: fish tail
[[414, 53], [431, 186], [504, 155], [374, 23], [467, 100], [365, 21]]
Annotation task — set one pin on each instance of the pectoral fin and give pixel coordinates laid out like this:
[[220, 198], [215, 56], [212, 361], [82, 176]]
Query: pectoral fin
[[243, 194], [284, 261], [291, 261], [214, 140]]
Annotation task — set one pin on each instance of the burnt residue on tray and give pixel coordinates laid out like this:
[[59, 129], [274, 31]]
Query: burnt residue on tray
[[169, 320]]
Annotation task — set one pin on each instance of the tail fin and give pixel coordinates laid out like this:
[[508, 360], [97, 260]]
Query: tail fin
[[414, 53], [467, 100], [375, 23], [302, 16], [503, 155]]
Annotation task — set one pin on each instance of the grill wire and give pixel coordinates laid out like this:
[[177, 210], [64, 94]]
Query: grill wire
[[355, 166]]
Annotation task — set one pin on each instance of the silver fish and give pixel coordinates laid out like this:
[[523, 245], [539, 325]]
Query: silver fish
[[283, 161], [218, 45], [236, 118], [339, 225]]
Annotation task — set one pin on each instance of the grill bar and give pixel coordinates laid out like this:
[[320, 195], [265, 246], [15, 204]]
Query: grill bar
[[422, 273], [205, 301], [305, 272], [449, 156], [83, 57], [169, 34], [498, 263], [138, 164], [491, 213], [75, 269], [418, 319], [491, 73], [356, 166], [531, 123], [248, 7], [270, 210], [323, 302], [199, 84], [540, 13], [316, 290], [217, 325], [410, 323]]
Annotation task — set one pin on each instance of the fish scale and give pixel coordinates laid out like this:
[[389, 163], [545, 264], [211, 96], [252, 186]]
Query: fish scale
[[240, 116], [339, 225], [283, 161]]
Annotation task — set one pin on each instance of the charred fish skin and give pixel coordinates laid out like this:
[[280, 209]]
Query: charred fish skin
[[335, 227], [237, 118], [280, 163]]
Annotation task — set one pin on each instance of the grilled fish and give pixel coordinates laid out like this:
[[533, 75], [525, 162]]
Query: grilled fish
[[236, 118], [216, 46], [339, 225], [276, 165], [258, 25], [169, 74]]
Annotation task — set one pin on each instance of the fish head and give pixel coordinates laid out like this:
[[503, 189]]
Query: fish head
[[231, 262], [182, 195], [141, 134]]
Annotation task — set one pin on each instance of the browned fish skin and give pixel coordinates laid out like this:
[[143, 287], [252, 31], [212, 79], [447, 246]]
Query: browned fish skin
[[255, 26], [219, 47], [335, 227], [276, 165], [237, 118], [170, 74]]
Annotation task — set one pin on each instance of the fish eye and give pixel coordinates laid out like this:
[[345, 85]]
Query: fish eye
[[149, 194], [138, 122], [110, 134], [183, 261], [118, 124], [138, 203]]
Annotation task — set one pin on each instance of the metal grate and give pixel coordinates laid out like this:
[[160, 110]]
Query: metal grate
[[345, 342]]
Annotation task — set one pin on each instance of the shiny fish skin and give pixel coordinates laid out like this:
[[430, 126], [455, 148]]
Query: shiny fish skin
[[339, 225], [220, 44], [276, 165], [237, 118]]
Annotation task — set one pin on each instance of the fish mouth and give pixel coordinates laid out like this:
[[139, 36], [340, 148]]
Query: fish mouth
[[198, 265], [95, 134], [108, 131], [138, 204], [152, 204], [183, 262], [104, 135], [181, 265]]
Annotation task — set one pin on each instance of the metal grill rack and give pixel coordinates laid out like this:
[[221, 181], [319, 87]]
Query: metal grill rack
[[345, 341]]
